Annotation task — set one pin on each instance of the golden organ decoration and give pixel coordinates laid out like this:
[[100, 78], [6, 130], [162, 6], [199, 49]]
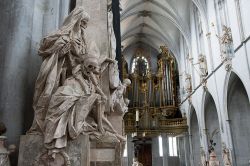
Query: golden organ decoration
[[154, 96]]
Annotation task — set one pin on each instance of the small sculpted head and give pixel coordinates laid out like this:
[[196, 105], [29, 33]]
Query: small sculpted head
[[91, 64], [126, 82]]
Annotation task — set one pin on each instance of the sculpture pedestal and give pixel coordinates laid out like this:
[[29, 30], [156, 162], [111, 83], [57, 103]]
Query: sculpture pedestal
[[105, 153], [79, 152], [4, 154], [33, 153]]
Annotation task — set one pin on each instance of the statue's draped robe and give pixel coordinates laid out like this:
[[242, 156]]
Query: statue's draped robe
[[65, 97], [61, 52], [68, 111]]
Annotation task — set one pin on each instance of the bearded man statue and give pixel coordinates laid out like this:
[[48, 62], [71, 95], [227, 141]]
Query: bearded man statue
[[68, 99]]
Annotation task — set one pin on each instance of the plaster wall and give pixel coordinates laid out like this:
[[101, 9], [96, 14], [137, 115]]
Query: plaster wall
[[218, 81]]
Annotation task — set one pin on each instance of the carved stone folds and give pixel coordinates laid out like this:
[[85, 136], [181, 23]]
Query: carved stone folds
[[33, 153]]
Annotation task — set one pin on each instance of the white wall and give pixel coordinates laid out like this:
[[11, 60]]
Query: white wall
[[238, 20]]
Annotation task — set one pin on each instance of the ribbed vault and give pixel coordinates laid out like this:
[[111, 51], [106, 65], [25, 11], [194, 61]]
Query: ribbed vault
[[157, 22]]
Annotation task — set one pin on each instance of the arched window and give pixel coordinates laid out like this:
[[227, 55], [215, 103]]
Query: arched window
[[140, 65], [172, 143], [160, 146]]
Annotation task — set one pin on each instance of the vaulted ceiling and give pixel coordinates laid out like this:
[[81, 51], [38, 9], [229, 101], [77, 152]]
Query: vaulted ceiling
[[156, 22]]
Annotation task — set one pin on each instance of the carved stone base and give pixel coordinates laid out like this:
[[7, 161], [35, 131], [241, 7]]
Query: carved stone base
[[4, 154], [33, 153], [105, 153]]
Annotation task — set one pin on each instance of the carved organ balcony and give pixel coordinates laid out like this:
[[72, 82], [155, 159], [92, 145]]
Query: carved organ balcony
[[153, 107]]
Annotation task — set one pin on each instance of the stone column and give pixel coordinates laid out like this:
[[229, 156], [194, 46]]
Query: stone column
[[15, 42], [165, 149], [156, 159], [187, 150], [230, 138], [130, 149], [181, 151], [191, 150]]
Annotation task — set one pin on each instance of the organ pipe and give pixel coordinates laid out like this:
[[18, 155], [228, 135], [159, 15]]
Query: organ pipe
[[153, 95]]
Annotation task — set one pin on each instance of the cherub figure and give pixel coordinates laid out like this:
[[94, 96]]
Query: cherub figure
[[118, 102]]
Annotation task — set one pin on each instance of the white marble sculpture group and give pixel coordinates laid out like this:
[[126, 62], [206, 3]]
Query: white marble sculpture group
[[69, 99]]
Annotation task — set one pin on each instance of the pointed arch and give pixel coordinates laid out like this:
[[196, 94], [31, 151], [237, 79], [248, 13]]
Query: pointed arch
[[238, 112]]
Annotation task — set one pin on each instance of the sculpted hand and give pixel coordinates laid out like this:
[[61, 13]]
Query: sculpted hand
[[104, 98]]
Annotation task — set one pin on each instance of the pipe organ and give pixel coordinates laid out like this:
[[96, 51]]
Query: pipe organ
[[153, 107]]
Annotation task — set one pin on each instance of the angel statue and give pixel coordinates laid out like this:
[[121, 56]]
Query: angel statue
[[118, 101], [68, 99]]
